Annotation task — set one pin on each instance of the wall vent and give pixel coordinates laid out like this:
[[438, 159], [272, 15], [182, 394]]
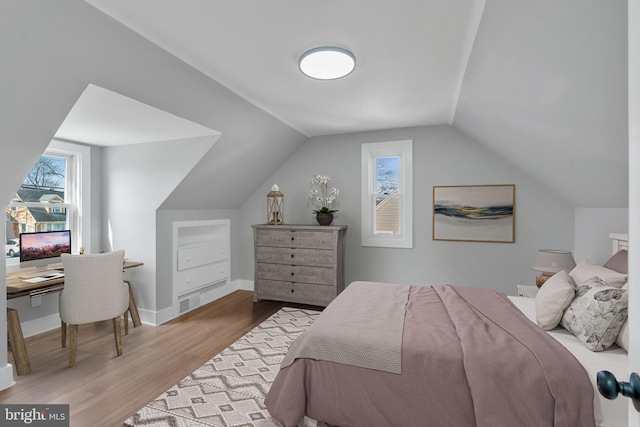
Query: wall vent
[[188, 303]]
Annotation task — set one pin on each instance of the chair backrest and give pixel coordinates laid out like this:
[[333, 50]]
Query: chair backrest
[[94, 288]]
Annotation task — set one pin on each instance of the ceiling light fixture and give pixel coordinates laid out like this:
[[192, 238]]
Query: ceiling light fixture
[[327, 63]]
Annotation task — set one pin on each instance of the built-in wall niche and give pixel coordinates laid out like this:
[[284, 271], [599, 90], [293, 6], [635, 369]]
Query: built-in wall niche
[[200, 262]]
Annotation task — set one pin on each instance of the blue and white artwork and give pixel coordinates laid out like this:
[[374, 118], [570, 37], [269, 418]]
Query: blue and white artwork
[[480, 213]]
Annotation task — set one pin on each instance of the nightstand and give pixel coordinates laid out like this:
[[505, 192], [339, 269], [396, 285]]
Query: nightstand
[[527, 291]]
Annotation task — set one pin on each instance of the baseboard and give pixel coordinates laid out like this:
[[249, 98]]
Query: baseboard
[[244, 285], [161, 316], [40, 325], [164, 315], [6, 376], [148, 317]]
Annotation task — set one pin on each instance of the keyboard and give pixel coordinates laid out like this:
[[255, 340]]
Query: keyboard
[[39, 273], [38, 279]]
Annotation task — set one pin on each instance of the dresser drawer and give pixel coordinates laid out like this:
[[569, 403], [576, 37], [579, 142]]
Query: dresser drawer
[[304, 293], [296, 273], [295, 239], [296, 256]]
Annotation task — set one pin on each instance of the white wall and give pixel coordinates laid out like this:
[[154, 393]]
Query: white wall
[[442, 156], [634, 196], [137, 179]]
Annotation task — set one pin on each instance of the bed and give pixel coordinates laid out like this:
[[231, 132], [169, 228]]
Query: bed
[[459, 356]]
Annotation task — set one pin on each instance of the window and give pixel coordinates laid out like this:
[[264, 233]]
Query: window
[[387, 194], [51, 197]]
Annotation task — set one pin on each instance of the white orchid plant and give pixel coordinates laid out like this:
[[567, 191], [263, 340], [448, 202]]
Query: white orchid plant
[[325, 196]]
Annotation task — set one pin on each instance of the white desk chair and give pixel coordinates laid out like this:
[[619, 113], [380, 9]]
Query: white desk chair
[[94, 290]]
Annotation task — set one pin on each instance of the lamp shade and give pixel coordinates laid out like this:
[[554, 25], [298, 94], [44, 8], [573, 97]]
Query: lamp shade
[[553, 261]]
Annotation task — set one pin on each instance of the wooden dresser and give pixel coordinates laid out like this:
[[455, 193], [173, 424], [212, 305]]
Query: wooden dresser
[[299, 263]]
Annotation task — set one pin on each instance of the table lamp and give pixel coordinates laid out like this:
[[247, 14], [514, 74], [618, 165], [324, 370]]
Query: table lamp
[[275, 206], [551, 261]]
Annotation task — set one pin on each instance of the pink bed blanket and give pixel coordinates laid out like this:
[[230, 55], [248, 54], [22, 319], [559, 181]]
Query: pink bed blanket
[[469, 358]]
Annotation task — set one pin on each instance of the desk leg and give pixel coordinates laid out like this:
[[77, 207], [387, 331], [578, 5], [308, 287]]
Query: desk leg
[[133, 308], [16, 339]]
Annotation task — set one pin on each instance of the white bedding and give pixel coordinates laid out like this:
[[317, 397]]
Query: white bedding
[[608, 413]]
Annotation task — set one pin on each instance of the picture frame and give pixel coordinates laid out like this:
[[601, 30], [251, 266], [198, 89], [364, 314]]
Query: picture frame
[[474, 213]]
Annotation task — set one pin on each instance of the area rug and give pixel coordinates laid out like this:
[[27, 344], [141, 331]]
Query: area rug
[[229, 390]]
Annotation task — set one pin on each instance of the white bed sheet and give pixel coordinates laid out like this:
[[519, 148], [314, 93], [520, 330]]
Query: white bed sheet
[[608, 413]]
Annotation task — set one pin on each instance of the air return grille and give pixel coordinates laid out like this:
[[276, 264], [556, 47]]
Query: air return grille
[[188, 302]]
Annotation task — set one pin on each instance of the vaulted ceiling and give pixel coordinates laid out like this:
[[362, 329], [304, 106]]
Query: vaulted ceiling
[[541, 83]]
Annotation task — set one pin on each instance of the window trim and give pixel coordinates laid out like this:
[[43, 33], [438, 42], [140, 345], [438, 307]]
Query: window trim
[[404, 151]]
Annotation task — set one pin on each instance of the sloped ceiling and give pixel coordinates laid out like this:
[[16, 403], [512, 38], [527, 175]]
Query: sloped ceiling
[[105, 118], [410, 55], [543, 84], [546, 88]]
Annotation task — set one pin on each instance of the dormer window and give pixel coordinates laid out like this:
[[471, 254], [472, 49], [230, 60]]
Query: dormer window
[[49, 197]]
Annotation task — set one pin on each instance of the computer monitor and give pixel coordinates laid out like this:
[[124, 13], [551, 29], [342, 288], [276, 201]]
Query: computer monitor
[[43, 248]]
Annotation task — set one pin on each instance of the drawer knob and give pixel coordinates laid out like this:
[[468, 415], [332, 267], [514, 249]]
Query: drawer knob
[[292, 238], [292, 291], [291, 255], [292, 273]]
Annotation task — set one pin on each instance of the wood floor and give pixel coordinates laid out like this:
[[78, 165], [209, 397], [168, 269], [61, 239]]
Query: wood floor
[[104, 390]]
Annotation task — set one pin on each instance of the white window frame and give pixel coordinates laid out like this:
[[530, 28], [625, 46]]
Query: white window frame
[[404, 151], [77, 194]]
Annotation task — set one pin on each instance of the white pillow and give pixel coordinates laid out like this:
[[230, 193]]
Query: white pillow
[[553, 297], [596, 314], [623, 336], [586, 270]]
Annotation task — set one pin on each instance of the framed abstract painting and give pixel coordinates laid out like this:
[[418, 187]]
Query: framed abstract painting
[[474, 213]]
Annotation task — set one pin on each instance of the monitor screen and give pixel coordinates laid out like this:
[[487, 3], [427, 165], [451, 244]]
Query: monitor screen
[[43, 248]]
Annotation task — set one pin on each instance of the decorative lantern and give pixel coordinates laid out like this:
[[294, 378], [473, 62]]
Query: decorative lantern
[[275, 206]]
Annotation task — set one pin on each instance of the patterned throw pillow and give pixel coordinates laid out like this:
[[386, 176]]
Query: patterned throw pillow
[[596, 314]]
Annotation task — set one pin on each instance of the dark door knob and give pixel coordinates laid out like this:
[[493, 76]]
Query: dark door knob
[[610, 387]]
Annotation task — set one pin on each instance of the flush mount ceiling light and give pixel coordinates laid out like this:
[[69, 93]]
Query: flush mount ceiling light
[[327, 63]]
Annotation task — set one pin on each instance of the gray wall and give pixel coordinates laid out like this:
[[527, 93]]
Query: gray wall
[[442, 155], [593, 226]]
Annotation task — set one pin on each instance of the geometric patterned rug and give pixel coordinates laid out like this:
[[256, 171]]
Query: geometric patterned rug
[[229, 390]]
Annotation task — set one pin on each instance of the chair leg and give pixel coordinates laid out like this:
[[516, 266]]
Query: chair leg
[[126, 322], [73, 344], [63, 333], [116, 333]]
